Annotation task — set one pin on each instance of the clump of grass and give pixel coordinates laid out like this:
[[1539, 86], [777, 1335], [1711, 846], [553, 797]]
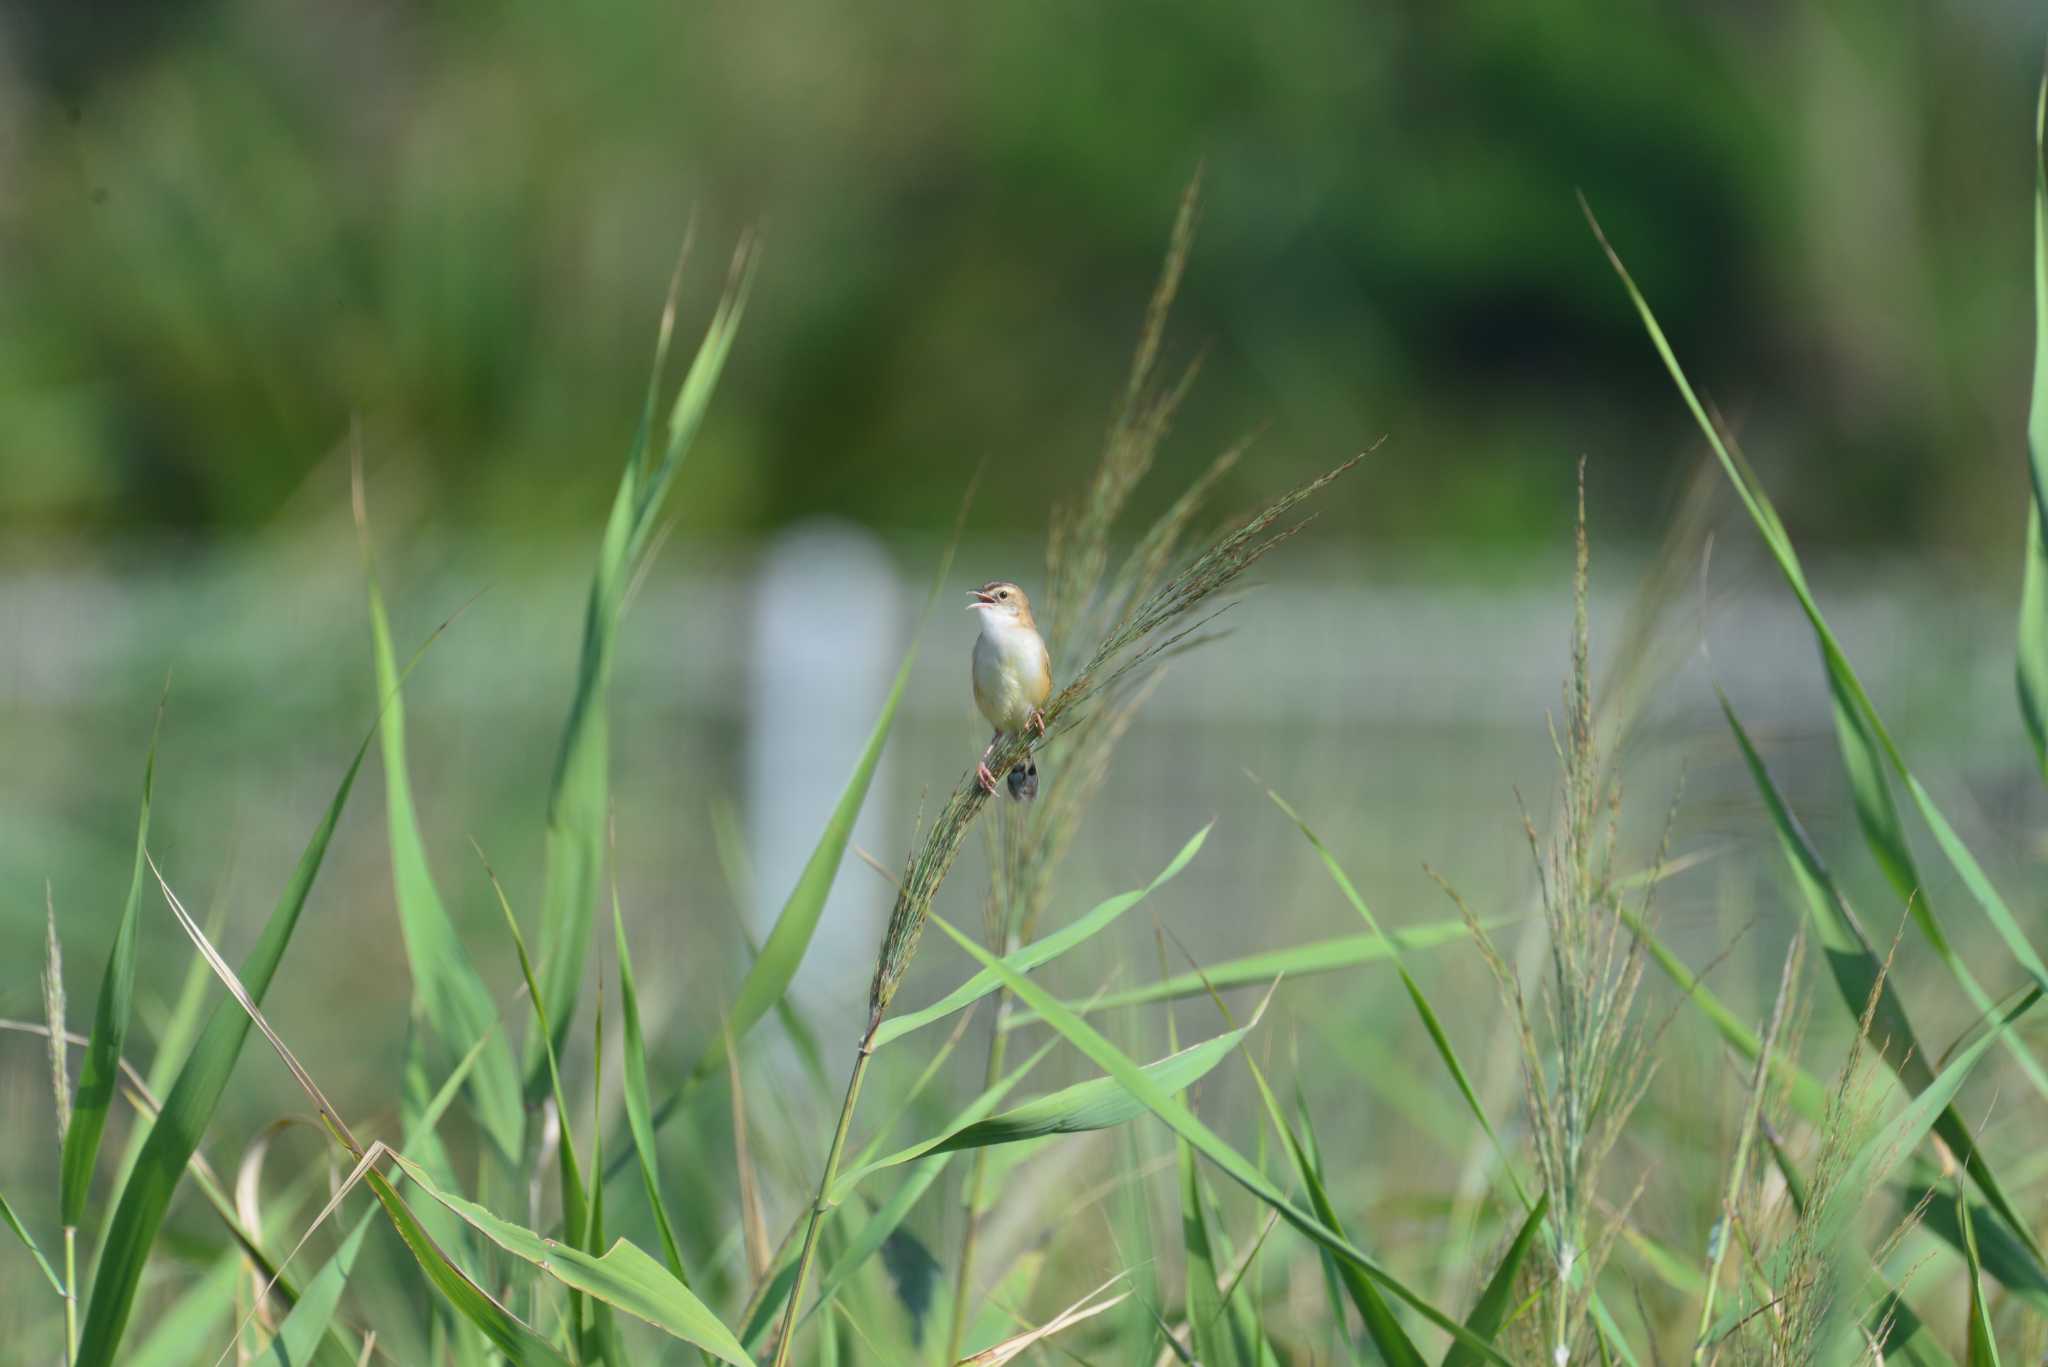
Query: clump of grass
[[1586, 1058]]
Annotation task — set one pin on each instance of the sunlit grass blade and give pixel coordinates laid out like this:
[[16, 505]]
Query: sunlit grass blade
[[574, 1194], [1292, 963], [98, 1073], [446, 984], [625, 1277], [189, 1107], [578, 794], [774, 968], [1210, 1145], [28, 1242], [1043, 950], [1211, 1333], [2032, 670], [1491, 1310], [638, 1113], [1867, 746], [1859, 972]]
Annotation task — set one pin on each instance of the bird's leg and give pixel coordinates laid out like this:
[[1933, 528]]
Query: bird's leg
[[982, 773], [1036, 723]]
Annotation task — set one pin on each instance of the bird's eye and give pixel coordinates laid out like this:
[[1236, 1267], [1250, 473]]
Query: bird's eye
[[1002, 593]]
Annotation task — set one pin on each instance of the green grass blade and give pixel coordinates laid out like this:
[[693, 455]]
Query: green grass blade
[[100, 1070], [1381, 1326], [2032, 671], [1499, 1296], [1291, 963], [1859, 973], [1210, 1331], [452, 994], [578, 795], [1982, 1348], [28, 1242], [1041, 951], [513, 1337], [1210, 1145], [303, 1333], [625, 1277], [639, 1115], [189, 1107], [769, 976], [1868, 747]]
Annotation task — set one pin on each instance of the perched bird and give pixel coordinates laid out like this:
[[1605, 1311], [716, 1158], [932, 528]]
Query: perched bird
[[1012, 677]]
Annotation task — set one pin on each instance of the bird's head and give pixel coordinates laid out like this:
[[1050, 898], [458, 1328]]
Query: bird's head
[[1000, 601]]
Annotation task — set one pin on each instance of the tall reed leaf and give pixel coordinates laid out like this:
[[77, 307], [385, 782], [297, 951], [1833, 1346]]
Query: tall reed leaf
[[189, 1108], [1867, 746], [109, 1025], [446, 986], [578, 796], [1859, 972], [2033, 631], [1205, 1141]]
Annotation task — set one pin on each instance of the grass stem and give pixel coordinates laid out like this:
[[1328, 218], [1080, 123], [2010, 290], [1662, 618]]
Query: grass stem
[[957, 1332], [70, 1294], [810, 1250]]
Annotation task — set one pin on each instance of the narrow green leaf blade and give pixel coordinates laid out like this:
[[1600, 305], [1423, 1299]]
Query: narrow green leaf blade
[[188, 1109], [97, 1076], [456, 1002], [639, 1115], [1499, 1296], [1859, 973], [578, 795], [28, 1242], [2032, 671]]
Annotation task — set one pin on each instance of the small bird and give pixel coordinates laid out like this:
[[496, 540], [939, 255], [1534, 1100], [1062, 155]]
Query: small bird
[[1012, 677]]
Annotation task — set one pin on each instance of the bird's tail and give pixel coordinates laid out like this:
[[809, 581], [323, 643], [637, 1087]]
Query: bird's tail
[[1024, 779]]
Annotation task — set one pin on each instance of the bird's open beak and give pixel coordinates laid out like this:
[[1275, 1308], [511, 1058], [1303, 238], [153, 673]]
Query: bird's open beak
[[981, 600]]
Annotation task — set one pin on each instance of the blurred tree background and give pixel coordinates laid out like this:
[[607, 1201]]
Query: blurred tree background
[[227, 226]]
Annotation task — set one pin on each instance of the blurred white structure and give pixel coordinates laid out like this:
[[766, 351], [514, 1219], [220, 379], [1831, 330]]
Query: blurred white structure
[[829, 631]]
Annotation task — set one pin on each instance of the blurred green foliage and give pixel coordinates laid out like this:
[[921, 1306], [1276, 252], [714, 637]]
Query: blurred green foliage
[[228, 226]]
